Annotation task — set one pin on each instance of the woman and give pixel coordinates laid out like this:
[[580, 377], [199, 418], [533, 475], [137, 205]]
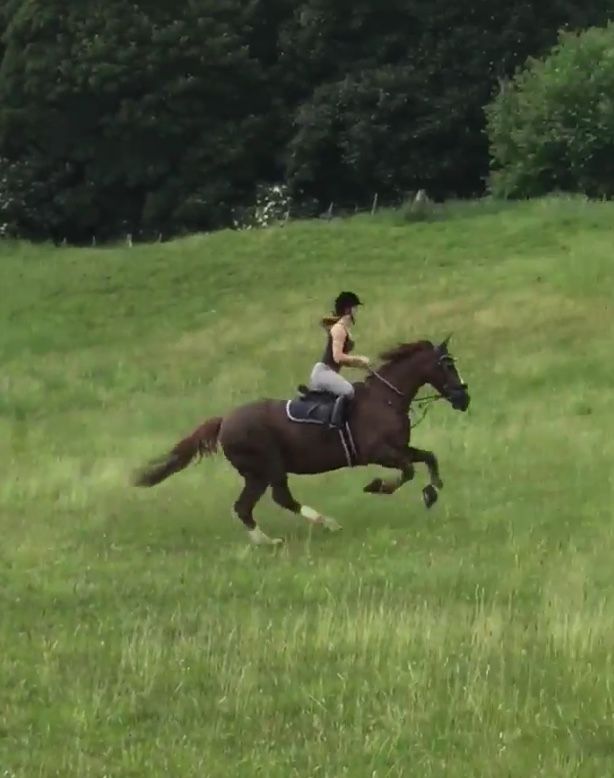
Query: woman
[[325, 376]]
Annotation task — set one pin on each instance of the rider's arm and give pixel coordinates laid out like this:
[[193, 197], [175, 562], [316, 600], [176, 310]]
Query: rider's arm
[[338, 335]]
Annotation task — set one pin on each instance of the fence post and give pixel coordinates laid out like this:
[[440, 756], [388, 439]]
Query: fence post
[[374, 206]]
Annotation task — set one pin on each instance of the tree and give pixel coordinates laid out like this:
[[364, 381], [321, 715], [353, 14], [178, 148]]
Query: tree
[[144, 115]]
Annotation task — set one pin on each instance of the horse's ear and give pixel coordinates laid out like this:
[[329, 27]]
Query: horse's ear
[[443, 346]]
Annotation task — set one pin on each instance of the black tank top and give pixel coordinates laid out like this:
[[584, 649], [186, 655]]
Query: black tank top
[[328, 359]]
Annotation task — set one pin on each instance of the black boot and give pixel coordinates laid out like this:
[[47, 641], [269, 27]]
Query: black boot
[[338, 415]]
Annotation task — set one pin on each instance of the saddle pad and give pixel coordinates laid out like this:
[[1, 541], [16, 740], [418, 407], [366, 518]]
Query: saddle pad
[[310, 410], [316, 409]]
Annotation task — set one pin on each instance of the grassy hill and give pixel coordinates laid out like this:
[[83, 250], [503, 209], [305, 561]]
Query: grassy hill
[[142, 636]]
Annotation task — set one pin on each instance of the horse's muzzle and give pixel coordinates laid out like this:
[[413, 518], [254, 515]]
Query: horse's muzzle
[[459, 398]]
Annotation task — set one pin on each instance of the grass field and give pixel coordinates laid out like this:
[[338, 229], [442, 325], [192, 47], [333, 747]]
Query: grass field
[[142, 636]]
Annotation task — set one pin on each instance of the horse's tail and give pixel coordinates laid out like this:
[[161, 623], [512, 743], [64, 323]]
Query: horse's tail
[[202, 442]]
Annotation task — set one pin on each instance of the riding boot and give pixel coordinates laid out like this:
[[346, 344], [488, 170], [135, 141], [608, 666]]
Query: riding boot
[[338, 415]]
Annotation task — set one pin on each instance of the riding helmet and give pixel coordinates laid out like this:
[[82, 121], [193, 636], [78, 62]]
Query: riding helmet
[[346, 300]]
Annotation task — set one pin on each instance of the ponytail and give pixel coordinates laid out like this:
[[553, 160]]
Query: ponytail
[[328, 321]]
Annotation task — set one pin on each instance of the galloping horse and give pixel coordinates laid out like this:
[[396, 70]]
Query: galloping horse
[[265, 440]]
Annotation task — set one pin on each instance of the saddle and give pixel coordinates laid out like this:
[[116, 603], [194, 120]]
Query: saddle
[[311, 407]]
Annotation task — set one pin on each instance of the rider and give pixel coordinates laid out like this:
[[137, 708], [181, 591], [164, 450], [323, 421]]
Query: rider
[[325, 376]]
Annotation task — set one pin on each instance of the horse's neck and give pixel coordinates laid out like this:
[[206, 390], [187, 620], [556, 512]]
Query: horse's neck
[[403, 378]]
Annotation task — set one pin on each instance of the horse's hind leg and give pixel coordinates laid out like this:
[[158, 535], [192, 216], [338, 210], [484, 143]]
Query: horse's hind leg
[[253, 490], [283, 497]]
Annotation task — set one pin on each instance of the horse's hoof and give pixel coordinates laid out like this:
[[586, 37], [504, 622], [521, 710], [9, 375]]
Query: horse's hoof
[[429, 495], [438, 483], [375, 487], [332, 525], [258, 538]]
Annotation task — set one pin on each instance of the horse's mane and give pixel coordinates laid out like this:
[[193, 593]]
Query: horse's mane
[[404, 351]]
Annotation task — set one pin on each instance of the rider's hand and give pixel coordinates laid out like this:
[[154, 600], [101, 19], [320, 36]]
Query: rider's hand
[[365, 362]]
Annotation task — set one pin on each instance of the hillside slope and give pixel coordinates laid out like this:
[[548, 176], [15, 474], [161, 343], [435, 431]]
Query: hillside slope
[[142, 636]]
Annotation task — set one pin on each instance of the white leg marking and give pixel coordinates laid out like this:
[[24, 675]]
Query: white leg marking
[[258, 538], [316, 518], [313, 516]]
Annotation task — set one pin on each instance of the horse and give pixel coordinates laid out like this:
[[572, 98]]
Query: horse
[[268, 439]]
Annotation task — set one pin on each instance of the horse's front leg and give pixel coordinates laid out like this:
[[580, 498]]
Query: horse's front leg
[[398, 460], [405, 462], [430, 460], [430, 494]]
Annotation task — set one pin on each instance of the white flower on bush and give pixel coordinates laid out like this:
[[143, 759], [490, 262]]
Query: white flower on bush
[[272, 206]]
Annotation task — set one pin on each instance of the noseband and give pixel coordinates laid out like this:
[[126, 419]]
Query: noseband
[[451, 392]]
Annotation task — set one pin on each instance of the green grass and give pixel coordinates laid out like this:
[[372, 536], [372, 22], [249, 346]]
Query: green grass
[[140, 635]]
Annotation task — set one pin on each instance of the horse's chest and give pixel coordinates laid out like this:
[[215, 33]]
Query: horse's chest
[[391, 427]]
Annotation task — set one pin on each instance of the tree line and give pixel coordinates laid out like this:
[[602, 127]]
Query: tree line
[[158, 116]]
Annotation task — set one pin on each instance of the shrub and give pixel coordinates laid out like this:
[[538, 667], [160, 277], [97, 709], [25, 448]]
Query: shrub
[[551, 128]]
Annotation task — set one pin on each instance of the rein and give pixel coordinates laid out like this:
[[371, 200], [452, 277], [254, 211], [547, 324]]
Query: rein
[[423, 402], [386, 383], [427, 404]]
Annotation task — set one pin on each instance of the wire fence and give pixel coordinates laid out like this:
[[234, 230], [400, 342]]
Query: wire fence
[[273, 208]]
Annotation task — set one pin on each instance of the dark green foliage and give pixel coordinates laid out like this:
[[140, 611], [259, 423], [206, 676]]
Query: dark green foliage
[[405, 82], [552, 128], [156, 117]]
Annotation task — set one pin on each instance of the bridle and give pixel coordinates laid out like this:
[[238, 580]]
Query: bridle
[[425, 403]]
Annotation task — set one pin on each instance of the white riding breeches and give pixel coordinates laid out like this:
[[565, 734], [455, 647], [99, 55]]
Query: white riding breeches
[[323, 379]]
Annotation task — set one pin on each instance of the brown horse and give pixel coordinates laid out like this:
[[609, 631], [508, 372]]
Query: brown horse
[[264, 442]]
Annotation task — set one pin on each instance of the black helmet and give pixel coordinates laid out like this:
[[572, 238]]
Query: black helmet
[[344, 301]]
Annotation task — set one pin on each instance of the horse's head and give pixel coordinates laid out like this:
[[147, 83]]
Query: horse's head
[[409, 366], [443, 376]]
